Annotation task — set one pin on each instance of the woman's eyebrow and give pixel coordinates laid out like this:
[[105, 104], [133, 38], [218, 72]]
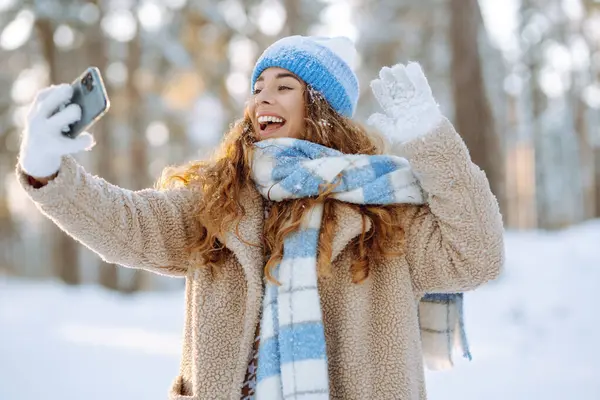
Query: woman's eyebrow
[[280, 76], [287, 75]]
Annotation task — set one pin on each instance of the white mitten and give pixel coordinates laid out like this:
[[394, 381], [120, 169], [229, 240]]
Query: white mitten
[[43, 143], [405, 96]]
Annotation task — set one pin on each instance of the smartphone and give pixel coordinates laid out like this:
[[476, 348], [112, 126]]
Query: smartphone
[[89, 93]]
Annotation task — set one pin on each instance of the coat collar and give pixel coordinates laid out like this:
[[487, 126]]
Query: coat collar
[[245, 239], [349, 225], [248, 246]]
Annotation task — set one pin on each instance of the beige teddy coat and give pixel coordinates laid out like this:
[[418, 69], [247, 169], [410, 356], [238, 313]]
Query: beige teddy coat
[[453, 243]]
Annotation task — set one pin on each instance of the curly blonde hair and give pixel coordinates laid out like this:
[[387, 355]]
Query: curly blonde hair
[[224, 176]]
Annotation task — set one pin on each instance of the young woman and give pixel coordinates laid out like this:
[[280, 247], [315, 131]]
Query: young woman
[[307, 252]]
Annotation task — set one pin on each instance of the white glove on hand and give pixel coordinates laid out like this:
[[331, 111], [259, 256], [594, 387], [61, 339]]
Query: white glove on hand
[[43, 143], [405, 96]]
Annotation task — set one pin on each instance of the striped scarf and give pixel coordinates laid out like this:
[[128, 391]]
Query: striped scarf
[[292, 360]]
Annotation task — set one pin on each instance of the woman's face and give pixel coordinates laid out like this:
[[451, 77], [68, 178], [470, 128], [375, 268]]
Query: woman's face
[[277, 105]]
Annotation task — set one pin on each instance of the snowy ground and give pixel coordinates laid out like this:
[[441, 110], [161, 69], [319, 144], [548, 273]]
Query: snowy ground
[[533, 333]]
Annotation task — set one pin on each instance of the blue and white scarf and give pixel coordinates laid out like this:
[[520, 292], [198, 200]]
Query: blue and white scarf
[[292, 360]]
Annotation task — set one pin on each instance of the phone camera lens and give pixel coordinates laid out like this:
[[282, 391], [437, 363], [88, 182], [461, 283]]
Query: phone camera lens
[[88, 82]]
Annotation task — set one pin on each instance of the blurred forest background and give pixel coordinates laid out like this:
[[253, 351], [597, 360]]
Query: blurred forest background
[[520, 80]]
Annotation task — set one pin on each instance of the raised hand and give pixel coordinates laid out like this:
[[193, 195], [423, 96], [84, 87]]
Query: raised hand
[[410, 111]]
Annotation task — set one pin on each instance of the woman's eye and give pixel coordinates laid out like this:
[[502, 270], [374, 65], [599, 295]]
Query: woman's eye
[[256, 91], [285, 88]]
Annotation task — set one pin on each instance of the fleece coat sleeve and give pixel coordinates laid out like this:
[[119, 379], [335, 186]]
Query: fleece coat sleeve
[[147, 229], [454, 243]]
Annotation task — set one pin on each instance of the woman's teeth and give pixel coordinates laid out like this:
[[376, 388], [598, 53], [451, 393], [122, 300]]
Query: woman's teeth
[[263, 119]]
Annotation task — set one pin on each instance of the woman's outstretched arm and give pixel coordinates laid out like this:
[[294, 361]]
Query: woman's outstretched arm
[[148, 229]]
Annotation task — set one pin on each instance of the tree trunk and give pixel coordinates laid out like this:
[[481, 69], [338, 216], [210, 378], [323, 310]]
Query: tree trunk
[[586, 156], [473, 115], [9, 234], [597, 180], [593, 137], [293, 20]]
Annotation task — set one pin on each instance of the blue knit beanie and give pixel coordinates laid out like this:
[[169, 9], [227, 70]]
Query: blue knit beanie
[[323, 63]]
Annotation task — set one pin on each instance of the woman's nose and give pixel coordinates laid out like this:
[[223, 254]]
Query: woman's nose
[[264, 97]]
